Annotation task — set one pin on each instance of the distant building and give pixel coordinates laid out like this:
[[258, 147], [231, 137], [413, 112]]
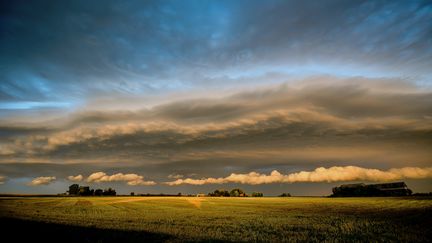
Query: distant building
[[372, 190], [200, 195]]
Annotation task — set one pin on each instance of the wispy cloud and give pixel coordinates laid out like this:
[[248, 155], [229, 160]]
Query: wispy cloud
[[341, 34], [321, 174], [43, 180], [131, 179]]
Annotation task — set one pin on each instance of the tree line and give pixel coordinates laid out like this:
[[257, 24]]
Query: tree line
[[237, 192], [77, 190]]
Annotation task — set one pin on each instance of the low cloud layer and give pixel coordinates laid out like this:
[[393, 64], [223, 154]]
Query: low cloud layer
[[131, 179], [321, 111], [321, 174], [315, 122], [43, 180], [75, 178]]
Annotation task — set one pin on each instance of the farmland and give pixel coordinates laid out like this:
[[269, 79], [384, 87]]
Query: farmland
[[176, 219]]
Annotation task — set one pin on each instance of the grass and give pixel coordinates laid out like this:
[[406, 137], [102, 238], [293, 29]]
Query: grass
[[228, 219]]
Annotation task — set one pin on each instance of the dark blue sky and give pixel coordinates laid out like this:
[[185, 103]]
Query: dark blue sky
[[57, 54], [209, 88]]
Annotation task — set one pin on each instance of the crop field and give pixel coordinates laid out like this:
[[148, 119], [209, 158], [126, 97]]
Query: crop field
[[175, 219]]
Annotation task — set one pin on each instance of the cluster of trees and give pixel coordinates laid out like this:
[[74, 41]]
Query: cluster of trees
[[257, 194], [219, 193], [237, 192], [77, 190], [285, 195]]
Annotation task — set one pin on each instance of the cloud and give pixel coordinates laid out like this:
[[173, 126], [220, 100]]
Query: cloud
[[378, 104], [43, 180], [380, 120], [321, 174], [131, 179], [75, 178], [256, 87], [175, 176], [341, 32], [333, 121], [2, 180]]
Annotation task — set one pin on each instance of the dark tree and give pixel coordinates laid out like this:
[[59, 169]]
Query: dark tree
[[98, 192], [109, 192], [285, 195], [73, 189]]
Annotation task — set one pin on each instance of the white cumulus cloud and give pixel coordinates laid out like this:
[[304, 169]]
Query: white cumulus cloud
[[321, 174], [43, 180], [131, 179], [75, 178]]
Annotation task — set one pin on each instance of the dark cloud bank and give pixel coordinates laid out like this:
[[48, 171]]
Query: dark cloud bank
[[59, 53], [203, 89]]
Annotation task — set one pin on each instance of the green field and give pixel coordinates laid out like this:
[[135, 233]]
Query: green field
[[232, 219]]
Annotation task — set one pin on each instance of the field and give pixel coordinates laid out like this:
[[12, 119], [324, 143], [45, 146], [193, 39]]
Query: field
[[174, 219]]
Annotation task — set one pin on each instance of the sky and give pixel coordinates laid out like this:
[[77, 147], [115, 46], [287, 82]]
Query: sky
[[192, 96]]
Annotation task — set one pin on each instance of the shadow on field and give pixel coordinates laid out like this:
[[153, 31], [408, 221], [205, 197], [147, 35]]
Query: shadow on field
[[31, 231]]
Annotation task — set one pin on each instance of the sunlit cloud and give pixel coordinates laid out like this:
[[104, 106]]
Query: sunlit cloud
[[313, 104], [131, 179], [75, 178], [43, 180], [321, 174]]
